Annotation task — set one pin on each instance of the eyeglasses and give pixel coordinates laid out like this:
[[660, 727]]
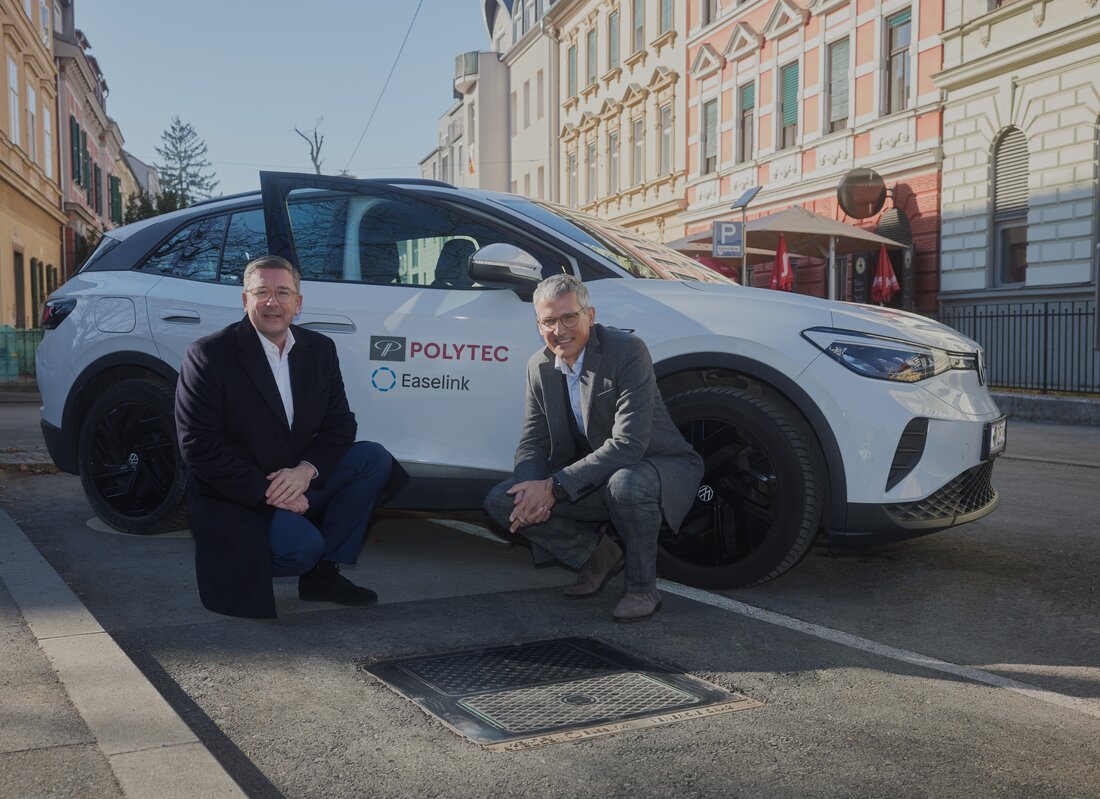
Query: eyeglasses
[[282, 294], [568, 320]]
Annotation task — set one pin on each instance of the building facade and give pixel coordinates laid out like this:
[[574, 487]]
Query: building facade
[[791, 96], [1021, 187], [91, 143], [31, 262]]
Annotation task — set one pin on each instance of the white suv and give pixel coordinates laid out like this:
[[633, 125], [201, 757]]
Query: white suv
[[869, 423]]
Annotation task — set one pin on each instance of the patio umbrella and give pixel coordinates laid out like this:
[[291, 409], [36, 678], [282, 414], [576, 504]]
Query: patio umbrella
[[782, 277], [807, 233], [700, 244], [885, 284]]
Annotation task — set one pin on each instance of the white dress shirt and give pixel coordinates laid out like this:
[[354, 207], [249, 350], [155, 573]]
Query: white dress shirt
[[280, 368], [573, 381]]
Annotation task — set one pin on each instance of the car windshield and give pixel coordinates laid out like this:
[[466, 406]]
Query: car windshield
[[637, 255]]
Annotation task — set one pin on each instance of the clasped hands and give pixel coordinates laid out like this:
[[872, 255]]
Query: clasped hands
[[533, 501], [288, 487]]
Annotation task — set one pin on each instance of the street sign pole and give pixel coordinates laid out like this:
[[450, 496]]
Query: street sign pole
[[743, 203]]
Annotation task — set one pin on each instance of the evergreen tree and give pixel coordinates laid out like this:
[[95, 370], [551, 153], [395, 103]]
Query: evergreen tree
[[185, 174], [139, 206]]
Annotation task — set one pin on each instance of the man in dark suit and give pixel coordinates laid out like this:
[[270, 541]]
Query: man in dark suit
[[597, 445], [278, 485]]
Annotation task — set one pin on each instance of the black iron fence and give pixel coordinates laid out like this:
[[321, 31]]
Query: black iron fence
[[17, 349], [1034, 346]]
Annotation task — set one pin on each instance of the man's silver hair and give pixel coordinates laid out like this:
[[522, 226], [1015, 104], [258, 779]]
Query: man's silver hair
[[558, 286], [271, 262]]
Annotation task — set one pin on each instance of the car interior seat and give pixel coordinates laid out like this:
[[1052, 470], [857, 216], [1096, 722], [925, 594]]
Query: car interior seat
[[452, 268]]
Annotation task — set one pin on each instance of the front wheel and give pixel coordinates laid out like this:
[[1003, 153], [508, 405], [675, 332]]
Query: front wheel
[[760, 501], [130, 466]]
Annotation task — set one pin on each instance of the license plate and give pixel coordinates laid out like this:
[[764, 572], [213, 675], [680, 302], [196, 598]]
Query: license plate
[[996, 437]]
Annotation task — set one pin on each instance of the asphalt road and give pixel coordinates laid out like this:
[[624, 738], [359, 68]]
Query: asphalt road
[[966, 663]]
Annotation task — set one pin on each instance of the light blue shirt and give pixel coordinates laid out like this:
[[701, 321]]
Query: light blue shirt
[[573, 381]]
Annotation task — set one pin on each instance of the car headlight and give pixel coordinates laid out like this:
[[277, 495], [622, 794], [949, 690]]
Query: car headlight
[[886, 358]]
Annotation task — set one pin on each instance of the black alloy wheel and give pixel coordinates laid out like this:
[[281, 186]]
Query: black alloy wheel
[[760, 500], [130, 466]]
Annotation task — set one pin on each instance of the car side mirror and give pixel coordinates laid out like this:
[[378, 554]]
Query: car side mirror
[[505, 266]]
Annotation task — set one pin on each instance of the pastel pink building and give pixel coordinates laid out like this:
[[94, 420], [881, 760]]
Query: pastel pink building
[[792, 95]]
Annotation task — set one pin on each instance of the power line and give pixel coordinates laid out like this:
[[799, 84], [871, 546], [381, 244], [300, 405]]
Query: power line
[[384, 85]]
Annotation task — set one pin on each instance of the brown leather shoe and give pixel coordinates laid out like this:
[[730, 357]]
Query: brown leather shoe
[[637, 605], [606, 561]]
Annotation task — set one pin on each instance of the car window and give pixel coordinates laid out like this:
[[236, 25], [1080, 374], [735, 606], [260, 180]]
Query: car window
[[192, 252], [391, 239], [244, 240]]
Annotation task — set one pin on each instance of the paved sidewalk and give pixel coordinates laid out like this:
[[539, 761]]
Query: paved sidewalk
[[77, 716]]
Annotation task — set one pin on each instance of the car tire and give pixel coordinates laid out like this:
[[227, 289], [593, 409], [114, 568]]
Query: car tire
[[130, 466], [760, 501]]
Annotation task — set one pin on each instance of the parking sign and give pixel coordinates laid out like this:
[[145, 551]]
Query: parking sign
[[726, 240]]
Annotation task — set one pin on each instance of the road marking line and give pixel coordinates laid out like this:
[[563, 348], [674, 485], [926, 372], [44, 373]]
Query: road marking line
[[150, 749], [1085, 706]]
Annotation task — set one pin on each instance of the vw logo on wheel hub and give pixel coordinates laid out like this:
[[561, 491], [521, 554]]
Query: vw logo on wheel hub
[[706, 493], [132, 461]]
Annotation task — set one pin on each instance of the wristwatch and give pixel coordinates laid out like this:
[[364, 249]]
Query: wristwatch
[[558, 490]]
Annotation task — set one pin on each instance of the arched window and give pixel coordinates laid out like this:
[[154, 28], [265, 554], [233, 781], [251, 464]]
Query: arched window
[[1010, 201]]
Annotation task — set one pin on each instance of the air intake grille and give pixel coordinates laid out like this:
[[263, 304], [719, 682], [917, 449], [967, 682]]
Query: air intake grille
[[970, 491], [909, 451]]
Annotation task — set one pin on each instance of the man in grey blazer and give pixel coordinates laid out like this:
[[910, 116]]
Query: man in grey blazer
[[597, 445]]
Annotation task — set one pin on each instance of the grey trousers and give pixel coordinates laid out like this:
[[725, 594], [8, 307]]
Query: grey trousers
[[631, 500]]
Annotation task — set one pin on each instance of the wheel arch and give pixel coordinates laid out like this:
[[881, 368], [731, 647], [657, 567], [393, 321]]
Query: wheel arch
[[97, 376], [717, 368]]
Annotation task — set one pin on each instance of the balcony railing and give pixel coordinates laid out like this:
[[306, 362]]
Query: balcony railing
[[466, 69], [1034, 346]]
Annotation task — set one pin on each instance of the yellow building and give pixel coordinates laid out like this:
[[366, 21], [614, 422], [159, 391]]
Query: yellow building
[[30, 193]]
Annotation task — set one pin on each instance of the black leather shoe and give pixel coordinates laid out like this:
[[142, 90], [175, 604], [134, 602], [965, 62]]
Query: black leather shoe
[[326, 584]]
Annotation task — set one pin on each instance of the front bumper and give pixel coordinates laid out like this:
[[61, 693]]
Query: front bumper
[[60, 448], [967, 497]]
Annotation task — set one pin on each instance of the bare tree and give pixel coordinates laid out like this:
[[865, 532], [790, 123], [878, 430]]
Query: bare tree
[[315, 139]]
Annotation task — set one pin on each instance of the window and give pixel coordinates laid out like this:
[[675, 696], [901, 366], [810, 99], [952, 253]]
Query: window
[[47, 141], [85, 164], [1010, 202], [666, 139], [471, 123], [709, 11], [639, 25], [590, 64], [666, 17], [75, 165], [191, 253], [613, 39], [571, 82], [572, 178], [20, 290], [542, 182], [58, 24], [44, 23], [710, 137], [528, 13], [514, 110], [540, 96], [445, 168], [27, 8], [32, 123], [899, 31], [613, 162], [591, 187], [638, 161], [13, 102], [527, 185], [527, 104], [747, 122], [837, 106], [788, 106]]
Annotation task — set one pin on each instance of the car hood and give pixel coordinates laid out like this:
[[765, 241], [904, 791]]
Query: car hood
[[876, 320]]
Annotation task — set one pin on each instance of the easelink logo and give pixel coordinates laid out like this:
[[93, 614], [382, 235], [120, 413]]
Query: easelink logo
[[383, 378], [387, 348]]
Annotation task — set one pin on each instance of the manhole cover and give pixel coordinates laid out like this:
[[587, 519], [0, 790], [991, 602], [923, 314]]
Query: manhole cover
[[568, 689]]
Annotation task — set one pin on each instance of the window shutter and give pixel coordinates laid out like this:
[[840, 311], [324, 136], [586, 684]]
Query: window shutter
[[1010, 174], [901, 19], [748, 96], [838, 80], [74, 148], [790, 95]]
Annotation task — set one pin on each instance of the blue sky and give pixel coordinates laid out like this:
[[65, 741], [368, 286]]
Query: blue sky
[[245, 72]]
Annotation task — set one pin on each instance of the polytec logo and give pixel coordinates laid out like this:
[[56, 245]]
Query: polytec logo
[[387, 348]]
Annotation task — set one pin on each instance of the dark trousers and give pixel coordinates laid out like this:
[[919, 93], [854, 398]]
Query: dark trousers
[[631, 500], [334, 526]]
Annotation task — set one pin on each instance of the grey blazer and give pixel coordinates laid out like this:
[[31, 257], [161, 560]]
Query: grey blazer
[[625, 421]]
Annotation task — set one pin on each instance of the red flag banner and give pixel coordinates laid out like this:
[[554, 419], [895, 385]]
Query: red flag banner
[[885, 284], [471, 163], [782, 276]]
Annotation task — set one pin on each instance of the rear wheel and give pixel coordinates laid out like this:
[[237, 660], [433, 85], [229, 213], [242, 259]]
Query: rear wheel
[[130, 466], [760, 501]]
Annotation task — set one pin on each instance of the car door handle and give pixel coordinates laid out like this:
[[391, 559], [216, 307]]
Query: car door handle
[[329, 324], [179, 316]]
